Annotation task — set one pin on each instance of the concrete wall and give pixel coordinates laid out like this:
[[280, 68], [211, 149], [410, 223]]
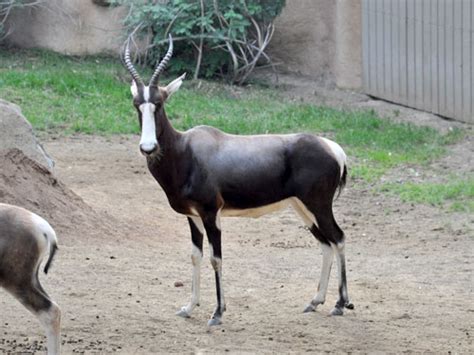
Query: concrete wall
[[317, 38], [304, 38], [348, 38], [68, 26], [321, 39]]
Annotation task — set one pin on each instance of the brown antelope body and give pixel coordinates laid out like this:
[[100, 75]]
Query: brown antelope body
[[25, 239], [207, 174]]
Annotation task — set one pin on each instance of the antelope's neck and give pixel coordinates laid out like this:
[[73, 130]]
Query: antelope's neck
[[168, 167], [166, 135]]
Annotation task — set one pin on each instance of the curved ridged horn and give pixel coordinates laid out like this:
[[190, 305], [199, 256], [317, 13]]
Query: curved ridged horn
[[164, 62], [130, 67]]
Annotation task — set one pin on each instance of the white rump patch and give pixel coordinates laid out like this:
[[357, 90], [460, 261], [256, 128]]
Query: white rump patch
[[44, 232], [338, 152]]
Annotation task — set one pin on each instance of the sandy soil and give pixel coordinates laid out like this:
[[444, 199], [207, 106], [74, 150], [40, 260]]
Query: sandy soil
[[122, 250], [410, 272]]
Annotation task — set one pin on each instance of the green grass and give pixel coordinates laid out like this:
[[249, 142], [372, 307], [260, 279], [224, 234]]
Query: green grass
[[92, 95], [458, 195], [67, 94]]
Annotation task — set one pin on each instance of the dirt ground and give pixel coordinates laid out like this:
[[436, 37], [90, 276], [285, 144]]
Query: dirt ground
[[410, 269]]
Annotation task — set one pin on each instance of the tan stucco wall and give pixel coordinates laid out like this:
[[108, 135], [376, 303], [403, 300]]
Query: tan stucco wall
[[304, 37], [321, 39], [318, 38], [68, 26], [348, 60]]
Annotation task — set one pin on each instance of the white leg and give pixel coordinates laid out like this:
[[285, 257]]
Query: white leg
[[216, 263], [343, 301], [196, 258], [328, 257], [51, 321], [320, 298]]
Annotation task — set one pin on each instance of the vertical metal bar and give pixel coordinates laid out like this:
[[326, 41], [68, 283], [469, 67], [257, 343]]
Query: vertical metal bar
[[449, 39], [457, 60], [467, 47], [395, 34], [434, 56], [441, 57], [387, 38], [365, 46], [467, 89], [411, 62], [418, 54], [403, 27], [380, 65], [373, 47], [427, 59]]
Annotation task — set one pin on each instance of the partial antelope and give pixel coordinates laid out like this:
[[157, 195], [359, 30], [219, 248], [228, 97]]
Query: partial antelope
[[25, 239], [207, 174]]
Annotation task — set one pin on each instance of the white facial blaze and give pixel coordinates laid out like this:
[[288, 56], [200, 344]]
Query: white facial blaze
[[146, 93], [148, 140]]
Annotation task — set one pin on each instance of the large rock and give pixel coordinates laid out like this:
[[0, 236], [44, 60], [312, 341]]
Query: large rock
[[16, 132]]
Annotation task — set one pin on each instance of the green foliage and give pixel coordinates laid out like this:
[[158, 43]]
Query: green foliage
[[92, 95], [457, 194], [67, 94], [6, 7], [215, 22]]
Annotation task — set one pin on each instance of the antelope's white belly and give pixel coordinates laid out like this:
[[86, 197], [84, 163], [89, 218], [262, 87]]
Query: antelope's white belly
[[255, 212]]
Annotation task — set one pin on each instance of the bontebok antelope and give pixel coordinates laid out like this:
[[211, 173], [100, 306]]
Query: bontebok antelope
[[207, 174], [25, 239]]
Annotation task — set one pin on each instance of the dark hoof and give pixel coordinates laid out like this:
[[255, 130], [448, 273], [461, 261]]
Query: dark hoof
[[349, 305], [309, 308]]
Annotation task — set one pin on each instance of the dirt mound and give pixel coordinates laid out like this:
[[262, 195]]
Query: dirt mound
[[26, 183]]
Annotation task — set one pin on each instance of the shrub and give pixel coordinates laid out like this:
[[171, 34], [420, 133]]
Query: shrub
[[213, 38], [7, 6]]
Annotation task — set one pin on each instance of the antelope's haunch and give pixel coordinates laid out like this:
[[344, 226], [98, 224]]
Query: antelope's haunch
[[207, 174], [25, 239]]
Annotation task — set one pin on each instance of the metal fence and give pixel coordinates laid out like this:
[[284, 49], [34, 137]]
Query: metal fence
[[420, 53]]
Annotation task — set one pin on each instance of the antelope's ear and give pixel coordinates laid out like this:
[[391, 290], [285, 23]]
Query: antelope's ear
[[134, 88], [172, 87]]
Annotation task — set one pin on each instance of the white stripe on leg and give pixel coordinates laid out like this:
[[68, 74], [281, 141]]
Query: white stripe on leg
[[216, 318], [51, 321], [341, 270], [196, 258], [217, 266], [328, 256], [320, 297]]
